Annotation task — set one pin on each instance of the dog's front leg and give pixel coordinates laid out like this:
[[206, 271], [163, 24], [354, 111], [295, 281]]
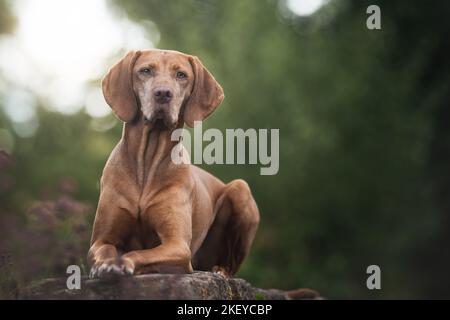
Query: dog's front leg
[[111, 227], [171, 257], [174, 228]]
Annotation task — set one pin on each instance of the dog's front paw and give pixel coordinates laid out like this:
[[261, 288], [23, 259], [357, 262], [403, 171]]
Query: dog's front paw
[[111, 268], [127, 265]]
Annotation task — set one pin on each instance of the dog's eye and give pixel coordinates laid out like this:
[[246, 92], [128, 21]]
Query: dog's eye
[[181, 75], [146, 71]]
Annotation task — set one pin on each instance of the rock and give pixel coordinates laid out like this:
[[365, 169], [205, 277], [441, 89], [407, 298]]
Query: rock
[[198, 286]]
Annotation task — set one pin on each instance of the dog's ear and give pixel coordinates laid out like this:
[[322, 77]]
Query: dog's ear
[[206, 94], [118, 90]]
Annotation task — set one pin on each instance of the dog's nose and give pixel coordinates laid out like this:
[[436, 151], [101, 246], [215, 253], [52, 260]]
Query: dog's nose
[[163, 95]]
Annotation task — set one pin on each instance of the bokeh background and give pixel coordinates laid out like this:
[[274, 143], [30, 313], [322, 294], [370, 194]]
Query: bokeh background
[[364, 132]]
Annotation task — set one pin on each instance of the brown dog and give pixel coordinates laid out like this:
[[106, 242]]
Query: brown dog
[[154, 215]]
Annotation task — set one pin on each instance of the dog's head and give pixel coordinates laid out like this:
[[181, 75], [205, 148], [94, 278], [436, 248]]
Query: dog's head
[[161, 85]]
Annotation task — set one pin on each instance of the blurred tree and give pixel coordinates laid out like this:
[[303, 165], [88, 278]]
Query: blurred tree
[[360, 113], [364, 144], [7, 19]]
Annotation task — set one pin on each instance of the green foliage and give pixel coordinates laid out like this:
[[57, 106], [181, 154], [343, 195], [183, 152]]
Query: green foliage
[[355, 131], [7, 20], [363, 139]]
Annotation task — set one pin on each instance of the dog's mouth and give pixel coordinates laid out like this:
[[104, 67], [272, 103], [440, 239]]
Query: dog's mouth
[[160, 124], [159, 119]]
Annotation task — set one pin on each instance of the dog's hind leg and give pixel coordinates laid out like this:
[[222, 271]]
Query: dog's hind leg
[[231, 235]]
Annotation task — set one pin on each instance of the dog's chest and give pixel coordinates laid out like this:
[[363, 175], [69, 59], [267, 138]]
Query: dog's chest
[[142, 237]]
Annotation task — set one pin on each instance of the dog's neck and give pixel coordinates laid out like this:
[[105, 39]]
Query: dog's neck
[[147, 146]]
